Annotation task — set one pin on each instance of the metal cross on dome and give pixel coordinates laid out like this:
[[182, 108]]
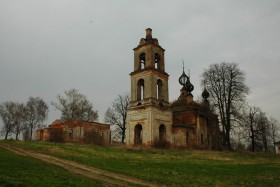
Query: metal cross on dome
[[183, 79]]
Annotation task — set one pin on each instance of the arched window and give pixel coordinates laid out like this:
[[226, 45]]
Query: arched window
[[140, 90], [157, 60], [159, 89], [162, 134], [142, 59], [138, 134]]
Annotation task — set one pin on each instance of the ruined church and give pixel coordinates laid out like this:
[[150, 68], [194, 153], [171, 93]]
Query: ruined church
[[152, 120]]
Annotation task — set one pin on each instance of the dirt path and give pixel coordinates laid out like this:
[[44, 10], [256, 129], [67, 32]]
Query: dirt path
[[103, 176]]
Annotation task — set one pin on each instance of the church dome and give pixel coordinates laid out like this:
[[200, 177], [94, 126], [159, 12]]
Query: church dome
[[205, 94], [183, 79], [189, 87]]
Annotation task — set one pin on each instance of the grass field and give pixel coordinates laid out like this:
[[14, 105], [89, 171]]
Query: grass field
[[21, 171], [170, 167]]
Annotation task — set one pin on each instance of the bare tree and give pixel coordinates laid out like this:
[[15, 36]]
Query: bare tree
[[116, 116], [19, 115], [75, 106], [248, 122], [7, 113], [274, 129], [261, 130], [36, 114], [226, 85], [25, 133], [263, 126]]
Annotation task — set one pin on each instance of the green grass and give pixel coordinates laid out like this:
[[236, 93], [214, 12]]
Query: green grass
[[172, 167], [21, 171]]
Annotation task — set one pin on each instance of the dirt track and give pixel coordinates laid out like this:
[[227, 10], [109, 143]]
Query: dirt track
[[103, 176]]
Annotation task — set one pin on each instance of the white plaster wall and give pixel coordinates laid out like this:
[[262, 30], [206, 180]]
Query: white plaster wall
[[150, 118]]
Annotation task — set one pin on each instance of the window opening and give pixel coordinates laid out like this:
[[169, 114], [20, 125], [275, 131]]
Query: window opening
[[157, 59], [140, 90], [70, 133], [142, 60], [159, 89], [138, 134], [162, 134], [201, 139]]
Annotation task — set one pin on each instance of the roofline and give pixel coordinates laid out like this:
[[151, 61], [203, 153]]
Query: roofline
[[139, 46], [72, 120]]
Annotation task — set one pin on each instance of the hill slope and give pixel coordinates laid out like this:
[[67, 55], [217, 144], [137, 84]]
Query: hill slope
[[170, 167]]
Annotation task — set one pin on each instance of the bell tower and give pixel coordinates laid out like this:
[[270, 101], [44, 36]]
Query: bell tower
[[149, 81], [149, 117]]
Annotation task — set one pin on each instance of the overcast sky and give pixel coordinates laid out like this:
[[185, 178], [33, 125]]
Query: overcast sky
[[49, 46]]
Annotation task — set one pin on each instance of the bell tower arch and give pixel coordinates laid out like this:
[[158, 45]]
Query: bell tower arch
[[149, 68], [149, 106]]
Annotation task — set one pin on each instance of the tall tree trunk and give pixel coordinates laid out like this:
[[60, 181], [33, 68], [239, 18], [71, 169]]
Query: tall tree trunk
[[123, 128], [123, 135], [228, 138], [31, 132], [251, 118], [252, 137], [224, 129], [265, 142], [264, 136], [123, 132], [228, 127], [6, 135], [17, 133], [224, 136]]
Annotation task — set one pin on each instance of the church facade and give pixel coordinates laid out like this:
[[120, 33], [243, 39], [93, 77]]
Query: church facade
[[152, 120]]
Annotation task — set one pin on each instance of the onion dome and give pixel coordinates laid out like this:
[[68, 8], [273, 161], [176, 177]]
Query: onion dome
[[205, 94], [183, 79], [189, 86]]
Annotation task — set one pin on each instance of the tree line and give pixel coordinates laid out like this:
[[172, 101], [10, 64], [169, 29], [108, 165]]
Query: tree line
[[25, 118], [256, 130], [246, 125], [242, 125]]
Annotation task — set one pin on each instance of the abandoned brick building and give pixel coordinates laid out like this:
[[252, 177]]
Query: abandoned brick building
[[75, 132], [152, 119]]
